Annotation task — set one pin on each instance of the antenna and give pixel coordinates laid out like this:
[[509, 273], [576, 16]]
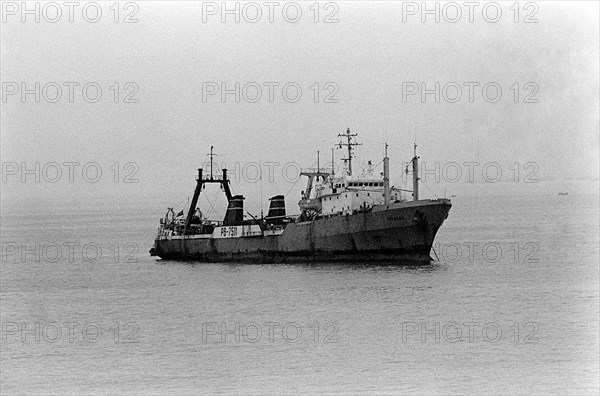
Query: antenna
[[385, 135], [332, 161], [348, 136], [211, 155], [261, 195], [386, 177], [415, 130]]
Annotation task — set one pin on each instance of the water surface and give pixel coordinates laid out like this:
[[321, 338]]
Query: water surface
[[511, 306]]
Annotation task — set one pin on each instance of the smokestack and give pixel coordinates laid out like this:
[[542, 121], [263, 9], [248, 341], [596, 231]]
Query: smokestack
[[235, 211], [386, 179], [276, 210]]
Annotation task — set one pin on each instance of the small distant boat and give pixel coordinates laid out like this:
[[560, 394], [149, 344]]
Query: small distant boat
[[563, 193], [453, 196]]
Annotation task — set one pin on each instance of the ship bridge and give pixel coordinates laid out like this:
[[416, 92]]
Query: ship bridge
[[330, 194], [349, 194]]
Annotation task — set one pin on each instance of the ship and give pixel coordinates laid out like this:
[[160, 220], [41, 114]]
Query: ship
[[343, 218]]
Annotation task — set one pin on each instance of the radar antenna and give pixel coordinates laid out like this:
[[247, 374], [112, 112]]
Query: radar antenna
[[350, 146]]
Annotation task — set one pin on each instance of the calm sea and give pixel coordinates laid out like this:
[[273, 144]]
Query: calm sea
[[511, 306]]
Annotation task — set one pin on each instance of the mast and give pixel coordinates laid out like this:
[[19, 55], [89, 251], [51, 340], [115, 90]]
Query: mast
[[349, 137], [415, 166], [199, 184], [225, 183], [211, 155], [386, 177], [318, 165]]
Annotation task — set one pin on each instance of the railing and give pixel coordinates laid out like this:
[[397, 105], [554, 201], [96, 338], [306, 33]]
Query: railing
[[316, 170]]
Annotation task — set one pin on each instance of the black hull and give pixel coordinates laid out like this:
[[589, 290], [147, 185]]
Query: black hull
[[389, 233]]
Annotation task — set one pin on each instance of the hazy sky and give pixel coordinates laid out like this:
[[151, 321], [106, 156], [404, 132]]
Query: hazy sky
[[369, 57]]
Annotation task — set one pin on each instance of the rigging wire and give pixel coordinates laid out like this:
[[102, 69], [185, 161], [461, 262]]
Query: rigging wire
[[290, 190], [429, 189], [211, 207], [179, 203]]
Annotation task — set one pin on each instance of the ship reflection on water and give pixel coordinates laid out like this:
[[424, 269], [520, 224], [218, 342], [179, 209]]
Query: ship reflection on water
[[400, 266]]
